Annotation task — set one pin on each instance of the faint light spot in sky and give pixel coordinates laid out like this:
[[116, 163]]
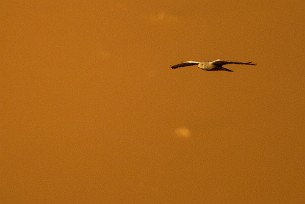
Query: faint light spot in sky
[[163, 17], [182, 132], [151, 73], [121, 6], [102, 54]]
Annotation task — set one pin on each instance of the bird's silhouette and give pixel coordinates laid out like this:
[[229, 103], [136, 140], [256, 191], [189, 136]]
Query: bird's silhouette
[[216, 65]]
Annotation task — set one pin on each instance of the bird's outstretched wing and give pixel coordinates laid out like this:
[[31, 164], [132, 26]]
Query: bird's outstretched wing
[[223, 62], [184, 64]]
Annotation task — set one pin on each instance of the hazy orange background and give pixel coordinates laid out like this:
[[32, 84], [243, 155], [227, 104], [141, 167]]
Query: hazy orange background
[[90, 111]]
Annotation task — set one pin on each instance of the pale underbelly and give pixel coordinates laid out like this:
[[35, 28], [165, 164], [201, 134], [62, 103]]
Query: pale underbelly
[[208, 66]]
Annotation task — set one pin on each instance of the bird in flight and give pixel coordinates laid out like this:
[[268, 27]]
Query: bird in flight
[[216, 65]]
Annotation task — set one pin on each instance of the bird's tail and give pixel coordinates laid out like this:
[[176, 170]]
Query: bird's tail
[[226, 69]]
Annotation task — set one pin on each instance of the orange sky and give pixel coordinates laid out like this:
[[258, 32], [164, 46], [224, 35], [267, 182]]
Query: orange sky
[[92, 113]]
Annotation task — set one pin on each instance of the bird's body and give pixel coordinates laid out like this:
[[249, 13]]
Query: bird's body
[[216, 65]]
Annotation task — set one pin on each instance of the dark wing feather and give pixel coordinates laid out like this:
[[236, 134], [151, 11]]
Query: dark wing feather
[[184, 64]]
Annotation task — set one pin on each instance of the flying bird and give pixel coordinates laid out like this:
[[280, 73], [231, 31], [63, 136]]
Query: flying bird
[[216, 65]]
